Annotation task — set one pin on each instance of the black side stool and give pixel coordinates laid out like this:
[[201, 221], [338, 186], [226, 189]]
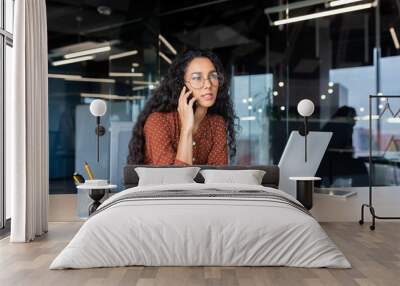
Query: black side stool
[[96, 193], [305, 190]]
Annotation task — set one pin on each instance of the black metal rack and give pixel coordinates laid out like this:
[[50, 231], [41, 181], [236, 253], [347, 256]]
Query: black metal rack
[[371, 169]]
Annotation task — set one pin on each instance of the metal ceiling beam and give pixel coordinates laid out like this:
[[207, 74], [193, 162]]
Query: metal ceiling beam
[[202, 5], [398, 5], [295, 5]]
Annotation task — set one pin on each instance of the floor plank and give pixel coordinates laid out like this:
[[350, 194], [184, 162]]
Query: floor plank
[[375, 257]]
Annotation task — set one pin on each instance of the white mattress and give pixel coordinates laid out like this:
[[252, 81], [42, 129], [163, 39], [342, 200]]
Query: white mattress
[[200, 231]]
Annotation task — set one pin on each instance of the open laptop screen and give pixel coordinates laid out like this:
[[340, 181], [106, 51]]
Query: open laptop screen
[[292, 161]]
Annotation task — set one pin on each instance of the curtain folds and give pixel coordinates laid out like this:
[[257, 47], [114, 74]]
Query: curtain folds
[[27, 124]]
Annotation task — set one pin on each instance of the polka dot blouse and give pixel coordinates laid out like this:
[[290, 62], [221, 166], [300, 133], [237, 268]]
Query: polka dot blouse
[[162, 131]]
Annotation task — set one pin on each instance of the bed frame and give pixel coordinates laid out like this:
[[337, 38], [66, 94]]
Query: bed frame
[[270, 179]]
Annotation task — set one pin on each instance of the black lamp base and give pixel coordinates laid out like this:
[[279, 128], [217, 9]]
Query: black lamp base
[[304, 193], [96, 195]]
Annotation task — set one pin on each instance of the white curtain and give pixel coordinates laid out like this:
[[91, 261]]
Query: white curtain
[[27, 124]]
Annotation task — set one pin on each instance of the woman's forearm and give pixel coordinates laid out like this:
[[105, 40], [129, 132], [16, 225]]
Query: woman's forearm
[[185, 149]]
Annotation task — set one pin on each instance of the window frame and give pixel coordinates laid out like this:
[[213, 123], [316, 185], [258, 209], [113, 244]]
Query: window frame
[[6, 39]]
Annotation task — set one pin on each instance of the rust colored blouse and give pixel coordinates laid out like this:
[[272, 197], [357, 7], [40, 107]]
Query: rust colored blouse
[[162, 131]]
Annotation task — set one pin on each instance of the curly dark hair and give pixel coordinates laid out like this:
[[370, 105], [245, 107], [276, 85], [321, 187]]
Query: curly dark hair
[[165, 99]]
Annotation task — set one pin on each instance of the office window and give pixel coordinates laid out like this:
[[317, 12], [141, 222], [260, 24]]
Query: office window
[[9, 15], [6, 42], [331, 60], [8, 73], [2, 195]]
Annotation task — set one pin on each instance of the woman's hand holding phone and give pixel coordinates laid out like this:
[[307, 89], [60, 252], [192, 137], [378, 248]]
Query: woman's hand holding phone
[[185, 110]]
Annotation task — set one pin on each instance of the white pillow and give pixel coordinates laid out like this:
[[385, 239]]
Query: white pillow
[[249, 177], [164, 176]]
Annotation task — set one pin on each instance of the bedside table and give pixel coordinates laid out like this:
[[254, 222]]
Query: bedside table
[[305, 190], [96, 193]]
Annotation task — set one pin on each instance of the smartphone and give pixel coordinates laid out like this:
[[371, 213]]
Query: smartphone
[[189, 98]]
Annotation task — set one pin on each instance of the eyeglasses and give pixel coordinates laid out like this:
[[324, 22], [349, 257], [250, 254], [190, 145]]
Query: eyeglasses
[[197, 81]]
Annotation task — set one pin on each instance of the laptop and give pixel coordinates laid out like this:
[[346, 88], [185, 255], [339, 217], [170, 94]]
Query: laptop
[[293, 164]]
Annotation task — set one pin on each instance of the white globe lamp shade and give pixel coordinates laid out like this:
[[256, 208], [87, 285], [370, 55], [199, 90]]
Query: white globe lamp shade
[[98, 107], [305, 107]]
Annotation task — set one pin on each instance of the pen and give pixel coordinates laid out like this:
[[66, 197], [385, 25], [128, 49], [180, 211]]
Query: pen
[[88, 171]]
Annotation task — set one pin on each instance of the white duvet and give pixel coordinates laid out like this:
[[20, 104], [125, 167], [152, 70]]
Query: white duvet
[[200, 231]]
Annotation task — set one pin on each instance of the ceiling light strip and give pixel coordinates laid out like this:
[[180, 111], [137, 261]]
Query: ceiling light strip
[[69, 77], [167, 59], [70, 61], [110, 96], [87, 52], [136, 88], [323, 14], [126, 74], [145, 82], [64, 76], [394, 38], [167, 44], [342, 2], [92, 79], [122, 55]]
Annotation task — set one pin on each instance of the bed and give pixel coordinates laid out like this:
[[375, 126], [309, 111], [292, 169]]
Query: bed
[[198, 224]]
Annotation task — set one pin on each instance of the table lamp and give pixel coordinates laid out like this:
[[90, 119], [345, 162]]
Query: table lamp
[[305, 108], [98, 108]]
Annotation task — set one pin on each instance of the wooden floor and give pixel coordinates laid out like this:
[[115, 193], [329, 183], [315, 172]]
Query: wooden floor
[[375, 257]]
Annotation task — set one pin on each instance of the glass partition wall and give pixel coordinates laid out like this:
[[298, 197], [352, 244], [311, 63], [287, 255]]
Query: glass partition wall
[[97, 52], [121, 50]]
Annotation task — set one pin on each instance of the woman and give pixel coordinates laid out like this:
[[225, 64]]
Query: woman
[[189, 119]]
